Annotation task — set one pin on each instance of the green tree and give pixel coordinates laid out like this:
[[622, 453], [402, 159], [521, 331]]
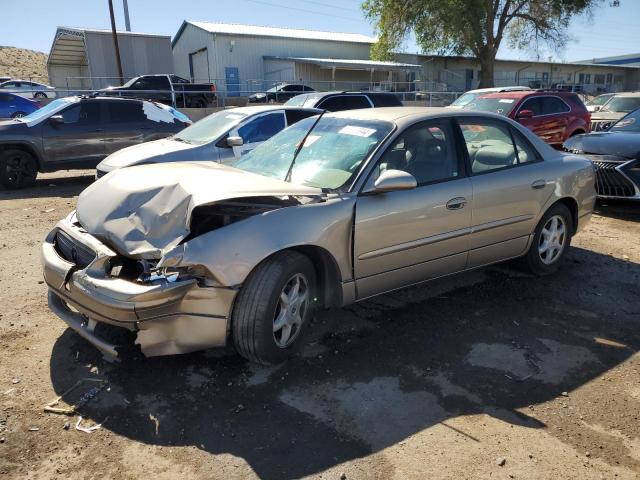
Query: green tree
[[473, 27]]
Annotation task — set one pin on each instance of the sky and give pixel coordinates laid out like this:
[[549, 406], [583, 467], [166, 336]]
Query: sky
[[611, 31]]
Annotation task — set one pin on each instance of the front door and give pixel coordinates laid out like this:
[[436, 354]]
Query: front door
[[405, 237], [78, 140], [549, 120], [509, 189]]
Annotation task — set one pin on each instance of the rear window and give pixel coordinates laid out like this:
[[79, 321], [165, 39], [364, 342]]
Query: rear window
[[124, 111], [501, 106], [385, 100], [345, 102]]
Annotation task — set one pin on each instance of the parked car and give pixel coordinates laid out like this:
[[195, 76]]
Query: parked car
[[471, 95], [78, 132], [28, 89], [553, 116], [168, 89], [4, 79], [15, 106], [222, 137], [595, 103], [615, 154], [279, 94], [613, 110], [337, 101], [333, 210]]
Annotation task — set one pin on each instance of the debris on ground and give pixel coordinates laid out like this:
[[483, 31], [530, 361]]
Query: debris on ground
[[15, 381], [89, 429], [500, 461], [83, 400]]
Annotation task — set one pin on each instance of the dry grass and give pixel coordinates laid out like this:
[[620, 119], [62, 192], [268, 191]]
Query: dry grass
[[24, 64]]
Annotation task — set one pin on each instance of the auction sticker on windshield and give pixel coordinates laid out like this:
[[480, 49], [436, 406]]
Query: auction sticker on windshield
[[234, 116], [357, 131], [506, 100]]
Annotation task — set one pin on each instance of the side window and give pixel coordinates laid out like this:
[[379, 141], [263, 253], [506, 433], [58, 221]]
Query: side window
[[125, 111], [152, 83], [533, 104], [554, 105], [489, 145], [262, 128], [385, 100], [345, 102], [294, 116], [426, 151], [84, 113], [526, 152], [307, 89], [292, 88]]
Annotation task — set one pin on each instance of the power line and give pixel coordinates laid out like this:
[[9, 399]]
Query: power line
[[322, 4], [288, 7]]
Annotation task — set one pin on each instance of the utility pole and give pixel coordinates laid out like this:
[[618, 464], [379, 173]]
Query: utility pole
[[127, 23], [115, 40]]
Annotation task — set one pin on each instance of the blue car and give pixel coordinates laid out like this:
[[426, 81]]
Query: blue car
[[14, 106]]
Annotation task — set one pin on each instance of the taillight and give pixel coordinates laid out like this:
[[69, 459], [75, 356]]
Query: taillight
[[213, 87]]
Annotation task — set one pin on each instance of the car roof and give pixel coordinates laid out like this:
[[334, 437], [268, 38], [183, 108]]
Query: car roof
[[402, 115], [254, 109], [514, 88], [628, 94]]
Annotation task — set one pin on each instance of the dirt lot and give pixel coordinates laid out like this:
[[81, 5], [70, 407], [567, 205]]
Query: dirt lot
[[492, 374]]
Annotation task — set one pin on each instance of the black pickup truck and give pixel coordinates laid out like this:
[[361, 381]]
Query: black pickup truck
[[168, 89]]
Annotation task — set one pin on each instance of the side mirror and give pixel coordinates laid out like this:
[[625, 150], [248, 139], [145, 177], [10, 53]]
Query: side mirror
[[393, 180], [524, 114], [234, 142], [597, 108], [56, 120]]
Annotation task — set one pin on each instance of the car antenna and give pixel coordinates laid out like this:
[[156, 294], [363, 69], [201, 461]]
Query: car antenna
[[287, 177]]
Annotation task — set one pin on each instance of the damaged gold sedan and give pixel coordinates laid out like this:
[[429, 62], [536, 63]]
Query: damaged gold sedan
[[333, 210]]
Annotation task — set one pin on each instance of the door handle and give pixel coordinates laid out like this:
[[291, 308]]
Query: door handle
[[538, 184], [456, 203]]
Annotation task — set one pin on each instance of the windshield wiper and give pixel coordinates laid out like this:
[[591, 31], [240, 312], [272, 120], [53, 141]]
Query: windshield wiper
[[287, 177]]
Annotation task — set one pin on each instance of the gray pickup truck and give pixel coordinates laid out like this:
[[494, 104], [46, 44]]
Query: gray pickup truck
[[168, 89]]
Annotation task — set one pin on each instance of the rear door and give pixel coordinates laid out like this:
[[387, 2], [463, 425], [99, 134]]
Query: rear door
[[125, 124], [509, 189], [405, 237], [79, 140], [549, 119]]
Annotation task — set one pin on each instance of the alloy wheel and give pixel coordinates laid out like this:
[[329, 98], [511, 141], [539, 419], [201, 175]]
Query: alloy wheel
[[293, 303], [553, 238]]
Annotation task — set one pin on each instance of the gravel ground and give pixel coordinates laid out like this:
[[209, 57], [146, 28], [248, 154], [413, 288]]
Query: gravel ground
[[491, 374]]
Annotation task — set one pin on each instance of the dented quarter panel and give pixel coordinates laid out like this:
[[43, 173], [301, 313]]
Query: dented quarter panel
[[229, 254]]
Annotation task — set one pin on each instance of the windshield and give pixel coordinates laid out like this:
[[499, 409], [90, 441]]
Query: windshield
[[298, 100], [621, 104], [599, 100], [502, 106], [130, 82], [48, 110], [464, 99], [628, 123], [332, 154], [210, 128]]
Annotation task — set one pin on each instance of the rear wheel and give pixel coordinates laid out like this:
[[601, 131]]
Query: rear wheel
[[18, 169], [550, 242], [273, 307], [40, 95], [199, 103]]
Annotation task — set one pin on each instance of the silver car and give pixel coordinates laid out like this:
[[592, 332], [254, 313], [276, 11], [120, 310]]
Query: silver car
[[28, 89], [333, 210], [223, 136]]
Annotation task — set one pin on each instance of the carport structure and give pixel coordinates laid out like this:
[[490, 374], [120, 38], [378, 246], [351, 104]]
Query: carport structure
[[83, 58], [341, 74]]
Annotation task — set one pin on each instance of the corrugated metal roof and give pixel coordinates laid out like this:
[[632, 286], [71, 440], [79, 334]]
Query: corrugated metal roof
[[346, 63], [240, 29], [81, 31]]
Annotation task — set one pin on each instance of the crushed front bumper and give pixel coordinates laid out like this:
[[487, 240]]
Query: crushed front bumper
[[168, 317]]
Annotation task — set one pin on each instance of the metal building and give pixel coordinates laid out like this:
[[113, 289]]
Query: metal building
[[83, 58], [245, 58]]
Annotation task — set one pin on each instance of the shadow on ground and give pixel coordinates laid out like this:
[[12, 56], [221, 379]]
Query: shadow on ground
[[51, 186], [620, 209], [376, 373]]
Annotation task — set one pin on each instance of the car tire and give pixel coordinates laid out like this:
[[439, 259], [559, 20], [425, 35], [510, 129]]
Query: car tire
[[18, 169], [551, 241], [199, 103], [18, 114], [40, 95], [268, 317]]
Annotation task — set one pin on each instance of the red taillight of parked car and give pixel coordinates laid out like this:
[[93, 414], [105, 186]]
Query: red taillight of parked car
[[213, 87]]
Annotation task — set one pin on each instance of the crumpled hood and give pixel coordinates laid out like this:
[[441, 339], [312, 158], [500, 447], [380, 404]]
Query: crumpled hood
[[157, 150], [623, 144], [145, 211], [600, 115]]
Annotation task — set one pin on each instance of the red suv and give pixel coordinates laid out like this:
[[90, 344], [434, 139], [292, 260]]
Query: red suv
[[553, 116]]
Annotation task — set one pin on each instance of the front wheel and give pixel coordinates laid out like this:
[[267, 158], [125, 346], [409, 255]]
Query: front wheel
[[40, 95], [551, 241], [18, 169], [273, 308]]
